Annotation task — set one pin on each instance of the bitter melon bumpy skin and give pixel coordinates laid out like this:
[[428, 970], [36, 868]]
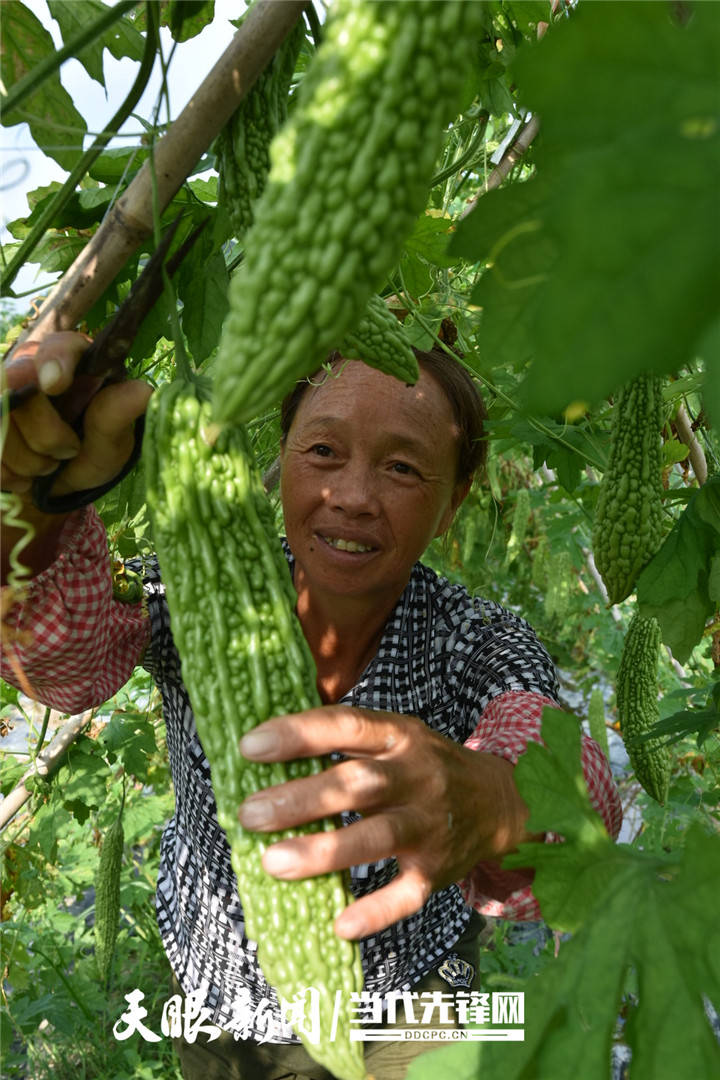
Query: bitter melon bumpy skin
[[107, 898], [636, 690], [244, 658], [627, 530], [243, 146], [349, 176]]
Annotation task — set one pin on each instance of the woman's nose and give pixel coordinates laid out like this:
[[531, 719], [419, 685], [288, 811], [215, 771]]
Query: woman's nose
[[354, 490]]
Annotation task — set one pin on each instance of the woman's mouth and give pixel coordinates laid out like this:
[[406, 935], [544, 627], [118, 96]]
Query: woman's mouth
[[347, 545]]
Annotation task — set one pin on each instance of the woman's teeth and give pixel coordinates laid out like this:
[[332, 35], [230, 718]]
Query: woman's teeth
[[346, 545]]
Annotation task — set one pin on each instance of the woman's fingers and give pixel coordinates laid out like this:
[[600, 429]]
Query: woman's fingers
[[39, 438], [108, 436], [329, 728], [48, 364], [357, 784], [370, 914], [41, 431]]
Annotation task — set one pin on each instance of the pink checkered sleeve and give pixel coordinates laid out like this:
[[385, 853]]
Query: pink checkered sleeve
[[507, 725], [70, 645]]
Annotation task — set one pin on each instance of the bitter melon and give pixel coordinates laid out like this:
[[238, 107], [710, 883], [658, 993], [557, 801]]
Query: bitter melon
[[107, 897], [627, 529], [244, 658], [379, 340], [349, 175], [242, 148], [636, 690]]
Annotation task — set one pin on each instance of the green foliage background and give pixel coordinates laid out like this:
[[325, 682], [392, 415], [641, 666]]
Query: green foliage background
[[593, 260]]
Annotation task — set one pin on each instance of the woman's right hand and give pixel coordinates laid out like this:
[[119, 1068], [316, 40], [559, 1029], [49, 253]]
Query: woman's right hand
[[39, 438]]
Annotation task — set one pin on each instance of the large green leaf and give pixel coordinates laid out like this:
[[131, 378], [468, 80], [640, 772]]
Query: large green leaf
[[635, 912], [677, 586], [56, 125], [122, 39], [607, 265]]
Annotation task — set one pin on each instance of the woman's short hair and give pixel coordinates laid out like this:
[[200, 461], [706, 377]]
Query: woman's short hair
[[459, 388]]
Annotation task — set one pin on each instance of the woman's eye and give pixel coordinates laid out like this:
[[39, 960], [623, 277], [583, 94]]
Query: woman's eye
[[403, 468], [321, 449]]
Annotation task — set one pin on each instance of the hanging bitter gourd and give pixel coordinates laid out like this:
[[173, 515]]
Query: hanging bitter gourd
[[349, 175], [244, 658], [636, 690], [380, 341], [627, 529], [242, 148], [107, 897]]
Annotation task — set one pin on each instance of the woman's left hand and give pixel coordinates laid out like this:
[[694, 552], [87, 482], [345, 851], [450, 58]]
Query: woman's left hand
[[435, 805]]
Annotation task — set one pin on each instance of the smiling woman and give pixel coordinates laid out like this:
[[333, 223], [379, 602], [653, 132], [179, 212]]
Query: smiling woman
[[431, 695], [372, 471]]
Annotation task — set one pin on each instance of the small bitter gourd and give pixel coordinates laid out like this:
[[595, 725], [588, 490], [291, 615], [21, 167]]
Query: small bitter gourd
[[349, 175], [379, 340], [107, 897], [244, 658], [559, 584], [242, 148], [627, 529], [636, 690]]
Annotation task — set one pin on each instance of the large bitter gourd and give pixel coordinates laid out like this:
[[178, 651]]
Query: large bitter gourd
[[349, 175], [244, 658], [636, 690], [627, 529], [243, 146]]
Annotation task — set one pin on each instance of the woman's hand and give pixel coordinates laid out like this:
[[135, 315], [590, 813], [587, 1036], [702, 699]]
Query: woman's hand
[[437, 806], [39, 438]]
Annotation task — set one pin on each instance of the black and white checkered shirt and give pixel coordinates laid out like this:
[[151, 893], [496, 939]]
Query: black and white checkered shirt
[[443, 657]]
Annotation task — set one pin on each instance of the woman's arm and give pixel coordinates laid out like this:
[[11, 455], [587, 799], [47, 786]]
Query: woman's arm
[[66, 641]]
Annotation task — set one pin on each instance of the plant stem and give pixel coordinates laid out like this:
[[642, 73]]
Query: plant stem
[[29, 83], [43, 731], [66, 192], [467, 154]]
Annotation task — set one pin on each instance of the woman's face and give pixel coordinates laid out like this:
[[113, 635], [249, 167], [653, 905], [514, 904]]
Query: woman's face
[[368, 479]]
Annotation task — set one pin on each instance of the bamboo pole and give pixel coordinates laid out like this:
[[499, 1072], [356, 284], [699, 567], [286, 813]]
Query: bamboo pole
[[130, 221], [44, 765]]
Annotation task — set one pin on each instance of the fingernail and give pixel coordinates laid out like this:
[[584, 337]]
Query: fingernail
[[49, 376], [279, 861], [256, 812], [64, 453], [258, 744]]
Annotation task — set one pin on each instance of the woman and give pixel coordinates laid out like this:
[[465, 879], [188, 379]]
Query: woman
[[430, 696]]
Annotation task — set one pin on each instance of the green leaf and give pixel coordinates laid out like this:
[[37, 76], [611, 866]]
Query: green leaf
[[188, 17], [429, 239], [625, 275], [58, 251], [675, 587], [674, 451], [551, 781], [652, 915], [119, 164], [122, 39], [55, 124]]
